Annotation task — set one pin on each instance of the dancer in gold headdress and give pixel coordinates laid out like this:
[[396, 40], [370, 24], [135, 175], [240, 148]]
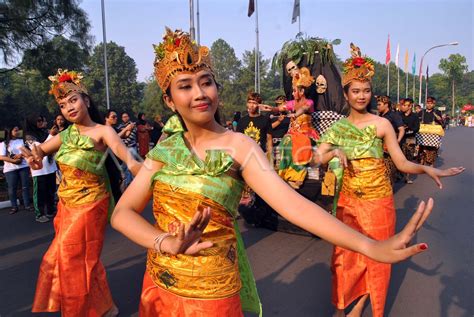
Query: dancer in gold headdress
[[365, 199], [72, 279], [196, 262]]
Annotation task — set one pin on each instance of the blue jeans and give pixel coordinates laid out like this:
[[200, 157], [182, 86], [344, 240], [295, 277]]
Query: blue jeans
[[128, 175], [22, 174]]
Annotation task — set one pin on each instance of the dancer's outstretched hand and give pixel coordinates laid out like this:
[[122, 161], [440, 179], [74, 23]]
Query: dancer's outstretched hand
[[436, 174], [33, 157], [397, 247], [187, 240]]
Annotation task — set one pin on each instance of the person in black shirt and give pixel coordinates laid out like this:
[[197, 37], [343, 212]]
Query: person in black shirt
[[412, 126], [280, 125], [384, 108], [430, 115], [256, 126]]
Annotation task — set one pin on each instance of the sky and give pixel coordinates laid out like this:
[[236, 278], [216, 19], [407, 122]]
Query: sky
[[416, 25]]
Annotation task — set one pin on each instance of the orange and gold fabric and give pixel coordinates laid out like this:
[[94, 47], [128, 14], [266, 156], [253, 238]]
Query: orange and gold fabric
[[218, 281], [365, 203], [72, 279]]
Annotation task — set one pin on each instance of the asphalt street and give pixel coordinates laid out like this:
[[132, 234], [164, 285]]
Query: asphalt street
[[292, 271]]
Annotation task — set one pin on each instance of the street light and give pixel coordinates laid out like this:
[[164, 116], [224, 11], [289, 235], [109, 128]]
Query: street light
[[421, 64]]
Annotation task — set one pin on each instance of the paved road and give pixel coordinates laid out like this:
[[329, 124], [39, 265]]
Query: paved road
[[292, 271]]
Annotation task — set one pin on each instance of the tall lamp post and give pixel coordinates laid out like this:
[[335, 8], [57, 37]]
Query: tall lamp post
[[421, 64]]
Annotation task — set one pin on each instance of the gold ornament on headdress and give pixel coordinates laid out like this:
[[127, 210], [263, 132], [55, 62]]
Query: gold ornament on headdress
[[65, 82], [357, 67], [303, 78], [178, 54]]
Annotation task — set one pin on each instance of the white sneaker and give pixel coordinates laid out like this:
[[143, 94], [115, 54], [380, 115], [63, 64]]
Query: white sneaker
[[42, 219]]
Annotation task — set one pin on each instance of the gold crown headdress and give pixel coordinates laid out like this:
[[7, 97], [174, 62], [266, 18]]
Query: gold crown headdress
[[357, 67], [65, 82], [177, 53], [303, 78]]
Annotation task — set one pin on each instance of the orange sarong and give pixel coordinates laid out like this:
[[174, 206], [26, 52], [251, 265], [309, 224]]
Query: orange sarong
[[72, 278], [156, 301], [365, 204]]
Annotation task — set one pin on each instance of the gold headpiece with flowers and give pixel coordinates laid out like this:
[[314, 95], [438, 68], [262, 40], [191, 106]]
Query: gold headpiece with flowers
[[303, 78], [357, 67], [65, 82], [177, 53]]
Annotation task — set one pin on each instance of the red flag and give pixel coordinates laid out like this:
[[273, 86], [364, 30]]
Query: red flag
[[387, 57], [251, 8]]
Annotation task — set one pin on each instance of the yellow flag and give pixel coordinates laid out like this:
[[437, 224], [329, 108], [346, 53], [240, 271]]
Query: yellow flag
[[406, 60]]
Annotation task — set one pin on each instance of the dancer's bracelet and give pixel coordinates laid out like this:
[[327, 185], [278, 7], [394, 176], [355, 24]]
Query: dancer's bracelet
[[158, 240]]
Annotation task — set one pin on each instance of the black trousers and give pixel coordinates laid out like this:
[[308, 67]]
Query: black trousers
[[44, 188]]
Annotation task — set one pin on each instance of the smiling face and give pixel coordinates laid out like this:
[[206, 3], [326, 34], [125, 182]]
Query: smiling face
[[74, 107], [358, 95], [112, 118], [193, 96]]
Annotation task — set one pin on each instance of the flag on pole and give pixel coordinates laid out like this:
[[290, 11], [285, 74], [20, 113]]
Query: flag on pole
[[427, 74], [387, 57], [251, 8], [397, 55], [296, 11], [406, 61], [413, 65]]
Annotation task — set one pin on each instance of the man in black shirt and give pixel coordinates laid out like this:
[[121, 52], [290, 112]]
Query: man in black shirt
[[430, 116], [412, 126], [280, 125], [256, 126], [384, 108]]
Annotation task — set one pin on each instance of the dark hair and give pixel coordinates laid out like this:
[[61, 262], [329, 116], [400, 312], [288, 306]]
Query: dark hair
[[109, 112], [409, 100], [32, 132], [255, 96], [430, 97], [140, 120], [93, 111], [237, 116], [417, 106]]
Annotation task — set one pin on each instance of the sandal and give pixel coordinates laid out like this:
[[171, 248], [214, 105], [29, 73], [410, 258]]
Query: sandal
[[14, 210]]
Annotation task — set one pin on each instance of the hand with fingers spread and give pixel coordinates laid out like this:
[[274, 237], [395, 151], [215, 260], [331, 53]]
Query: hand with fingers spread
[[187, 240], [397, 248], [436, 174], [34, 158]]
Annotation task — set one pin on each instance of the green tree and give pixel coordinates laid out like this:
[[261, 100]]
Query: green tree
[[28, 24], [152, 102], [224, 61], [454, 68], [57, 53], [124, 91]]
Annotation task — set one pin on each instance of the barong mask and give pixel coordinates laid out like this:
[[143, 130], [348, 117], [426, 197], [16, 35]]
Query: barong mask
[[66, 82], [178, 54], [357, 67], [321, 84]]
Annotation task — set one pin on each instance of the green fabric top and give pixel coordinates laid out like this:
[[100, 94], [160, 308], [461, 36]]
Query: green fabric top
[[78, 151], [356, 143], [184, 169]]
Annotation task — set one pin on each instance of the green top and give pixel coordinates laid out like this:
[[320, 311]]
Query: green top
[[356, 143], [78, 151], [185, 170]]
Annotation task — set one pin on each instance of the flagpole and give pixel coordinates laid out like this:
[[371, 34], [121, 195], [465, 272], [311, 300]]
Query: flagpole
[[198, 24], [414, 87], [426, 84], [257, 51], [191, 20], [398, 84], [105, 56], [406, 84], [388, 79]]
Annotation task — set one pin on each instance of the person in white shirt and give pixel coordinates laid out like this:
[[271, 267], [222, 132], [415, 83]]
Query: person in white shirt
[[44, 179], [15, 168]]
